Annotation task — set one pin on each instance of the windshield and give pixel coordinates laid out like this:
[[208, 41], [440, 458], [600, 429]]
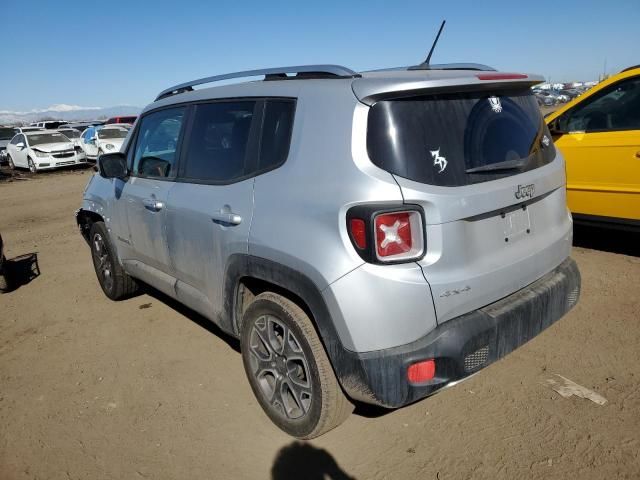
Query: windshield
[[459, 139], [112, 133], [71, 133], [7, 133], [42, 138]]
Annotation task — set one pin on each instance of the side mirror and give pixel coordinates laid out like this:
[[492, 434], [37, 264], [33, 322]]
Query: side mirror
[[20, 145], [113, 165]]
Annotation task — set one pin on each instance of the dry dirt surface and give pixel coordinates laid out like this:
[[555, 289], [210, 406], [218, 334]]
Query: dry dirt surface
[[94, 389]]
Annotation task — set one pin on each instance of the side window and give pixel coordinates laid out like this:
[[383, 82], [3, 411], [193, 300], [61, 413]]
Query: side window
[[157, 142], [217, 148], [615, 108], [276, 133], [17, 139]]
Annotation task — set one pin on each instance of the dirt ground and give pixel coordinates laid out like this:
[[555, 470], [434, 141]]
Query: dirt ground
[[92, 389]]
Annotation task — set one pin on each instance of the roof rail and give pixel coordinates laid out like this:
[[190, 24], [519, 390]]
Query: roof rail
[[336, 71]]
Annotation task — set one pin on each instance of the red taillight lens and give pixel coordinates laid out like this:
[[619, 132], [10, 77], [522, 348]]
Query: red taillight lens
[[502, 76], [398, 236], [422, 371], [358, 232]]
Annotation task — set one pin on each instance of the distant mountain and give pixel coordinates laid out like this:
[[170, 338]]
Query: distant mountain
[[65, 112]]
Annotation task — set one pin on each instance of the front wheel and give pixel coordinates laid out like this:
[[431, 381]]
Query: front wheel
[[115, 282], [10, 162], [32, 165], [288, 368]]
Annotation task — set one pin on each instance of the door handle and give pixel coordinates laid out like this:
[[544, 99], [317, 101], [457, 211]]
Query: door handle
[[152, 204], [229, 218], [638, 154]]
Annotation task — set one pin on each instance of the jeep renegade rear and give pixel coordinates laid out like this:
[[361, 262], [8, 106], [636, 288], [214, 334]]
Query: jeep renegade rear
[[368, 236]]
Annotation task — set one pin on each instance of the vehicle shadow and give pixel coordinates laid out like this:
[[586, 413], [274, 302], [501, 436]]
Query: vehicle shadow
[[195, 317], [300, 460], [21, 270], [608, 240]]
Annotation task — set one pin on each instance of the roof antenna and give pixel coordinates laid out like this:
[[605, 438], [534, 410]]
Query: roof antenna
[[435, 42], [425, 65]]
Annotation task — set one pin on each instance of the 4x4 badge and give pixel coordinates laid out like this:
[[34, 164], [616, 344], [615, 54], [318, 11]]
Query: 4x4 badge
[[496, 106], [438, 160]]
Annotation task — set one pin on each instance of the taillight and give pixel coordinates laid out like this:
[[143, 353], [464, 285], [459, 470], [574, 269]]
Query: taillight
[[398, 236], [382, 233]]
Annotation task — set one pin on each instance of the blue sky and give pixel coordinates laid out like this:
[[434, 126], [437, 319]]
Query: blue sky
[[114, 53]]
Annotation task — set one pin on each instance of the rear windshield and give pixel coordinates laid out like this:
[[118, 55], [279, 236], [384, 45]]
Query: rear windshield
[[459, 139]]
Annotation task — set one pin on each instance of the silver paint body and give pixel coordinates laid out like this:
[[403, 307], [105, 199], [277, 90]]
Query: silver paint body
[[295, 215]]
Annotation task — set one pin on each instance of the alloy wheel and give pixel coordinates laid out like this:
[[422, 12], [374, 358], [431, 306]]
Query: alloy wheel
[[280, 367], [32, 166]]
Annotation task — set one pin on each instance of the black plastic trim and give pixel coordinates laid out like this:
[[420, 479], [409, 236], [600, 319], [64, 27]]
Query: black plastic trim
[[502, 326], [626, 224]]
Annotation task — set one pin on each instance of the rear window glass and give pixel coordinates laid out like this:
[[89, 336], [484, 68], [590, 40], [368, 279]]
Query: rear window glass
[[217, 149], [276, 133], [459, 139]]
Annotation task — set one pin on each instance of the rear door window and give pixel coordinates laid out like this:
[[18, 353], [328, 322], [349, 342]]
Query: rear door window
[[220, 142], [460, 138]]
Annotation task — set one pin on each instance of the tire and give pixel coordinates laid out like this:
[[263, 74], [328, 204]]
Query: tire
[[4, 280], [293, 381], [115, 282], [32, 165], [12, 166]]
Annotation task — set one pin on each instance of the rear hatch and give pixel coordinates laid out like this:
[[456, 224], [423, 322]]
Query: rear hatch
[[481, 163]]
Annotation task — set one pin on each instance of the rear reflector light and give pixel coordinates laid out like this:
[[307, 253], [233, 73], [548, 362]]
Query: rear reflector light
[[502, 76], [398, 236], [422, 371], [358, 232]]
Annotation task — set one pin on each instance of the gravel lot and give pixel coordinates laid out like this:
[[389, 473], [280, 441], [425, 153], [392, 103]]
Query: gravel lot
[[144, 388]]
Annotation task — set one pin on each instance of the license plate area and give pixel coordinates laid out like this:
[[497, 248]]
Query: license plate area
[[516, 224]]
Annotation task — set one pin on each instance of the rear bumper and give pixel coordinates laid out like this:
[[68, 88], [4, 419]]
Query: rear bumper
[[463, 345]]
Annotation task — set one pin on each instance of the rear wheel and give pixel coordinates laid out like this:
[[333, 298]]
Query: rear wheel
[[288, 368], [32, 165], [115, 282], [4, 281]]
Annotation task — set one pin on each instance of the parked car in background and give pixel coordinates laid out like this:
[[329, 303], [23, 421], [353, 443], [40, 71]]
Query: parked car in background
[[364, 235], [27, 129], [6, 134], [544, 99], [127, 119], [51, 124], [43, 150], [599, 135], [80, 126], [102, 139], [73, 135]]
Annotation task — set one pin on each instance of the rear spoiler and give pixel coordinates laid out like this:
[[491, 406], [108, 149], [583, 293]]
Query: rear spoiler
[[370, 90]]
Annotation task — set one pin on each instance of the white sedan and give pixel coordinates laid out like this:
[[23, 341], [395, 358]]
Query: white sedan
[[102, 139], [43, 150]]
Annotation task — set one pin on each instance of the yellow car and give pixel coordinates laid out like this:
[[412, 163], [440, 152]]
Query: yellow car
[[599, 135]]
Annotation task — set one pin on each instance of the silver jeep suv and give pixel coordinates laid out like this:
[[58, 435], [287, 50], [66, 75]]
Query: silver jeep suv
[[369, 237]]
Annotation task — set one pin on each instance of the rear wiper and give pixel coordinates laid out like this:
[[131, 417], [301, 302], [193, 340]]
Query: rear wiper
[[506, 165]]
